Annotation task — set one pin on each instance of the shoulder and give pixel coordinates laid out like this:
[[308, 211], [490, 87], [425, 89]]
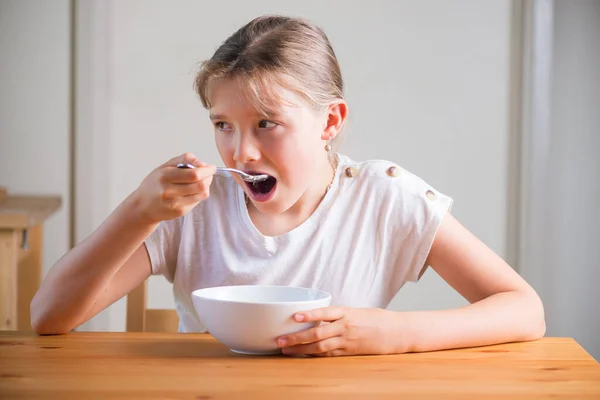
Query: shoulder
[[389, 180], [404, 209]]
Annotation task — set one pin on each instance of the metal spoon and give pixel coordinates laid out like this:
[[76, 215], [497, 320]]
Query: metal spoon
[[245, 176]]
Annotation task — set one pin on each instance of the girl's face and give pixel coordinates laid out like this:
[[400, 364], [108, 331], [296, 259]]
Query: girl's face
[[288, 146]]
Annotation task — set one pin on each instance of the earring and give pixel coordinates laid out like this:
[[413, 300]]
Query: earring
[[328, 147]]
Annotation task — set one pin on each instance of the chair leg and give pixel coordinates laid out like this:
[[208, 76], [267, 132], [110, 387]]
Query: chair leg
[[136, 308], [30, 276]]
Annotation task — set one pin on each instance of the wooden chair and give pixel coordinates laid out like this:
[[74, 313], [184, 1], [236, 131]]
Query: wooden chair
[[21, 230], [142, 319]]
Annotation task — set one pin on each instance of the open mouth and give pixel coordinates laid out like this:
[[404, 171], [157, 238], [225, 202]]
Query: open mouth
[[264, 190]]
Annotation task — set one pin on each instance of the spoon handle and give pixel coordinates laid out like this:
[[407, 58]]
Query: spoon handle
[[190, 166], [245, 176]]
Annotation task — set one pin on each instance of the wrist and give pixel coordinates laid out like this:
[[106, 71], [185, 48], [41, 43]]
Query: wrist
[[135, 213], [401, 339]]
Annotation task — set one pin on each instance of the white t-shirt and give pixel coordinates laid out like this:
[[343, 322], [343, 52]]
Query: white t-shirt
[[371, 233]]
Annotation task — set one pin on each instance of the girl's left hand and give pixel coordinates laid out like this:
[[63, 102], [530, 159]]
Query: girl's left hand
[[349, 331]]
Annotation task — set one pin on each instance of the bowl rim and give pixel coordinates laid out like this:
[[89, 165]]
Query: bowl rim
[[327, 296]]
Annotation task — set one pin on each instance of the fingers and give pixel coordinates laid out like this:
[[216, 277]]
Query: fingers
[[171, 190], [316, 334], [328, 347], [320, 314], [185, 175], [321, 340], [183, 187], [193, 199], [177, 205], [169, 173]]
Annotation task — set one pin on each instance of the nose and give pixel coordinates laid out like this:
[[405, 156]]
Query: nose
[[246, 149]]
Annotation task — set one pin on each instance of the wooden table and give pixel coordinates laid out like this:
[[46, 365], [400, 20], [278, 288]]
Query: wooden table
[[21, 225], [85, 365]]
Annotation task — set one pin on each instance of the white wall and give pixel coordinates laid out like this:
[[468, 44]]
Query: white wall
[[427, 84], [35, 110], [567, 268]]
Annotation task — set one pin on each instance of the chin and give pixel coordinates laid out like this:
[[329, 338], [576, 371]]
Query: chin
[[274, 206], [271, 207]]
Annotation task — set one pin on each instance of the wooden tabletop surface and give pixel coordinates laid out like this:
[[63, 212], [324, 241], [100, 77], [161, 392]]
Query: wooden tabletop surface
[[86, 365]]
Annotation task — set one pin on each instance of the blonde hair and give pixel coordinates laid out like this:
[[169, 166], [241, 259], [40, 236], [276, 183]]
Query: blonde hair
[[290, 52]]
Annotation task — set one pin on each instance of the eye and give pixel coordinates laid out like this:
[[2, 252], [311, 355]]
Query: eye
[[223, 126], [265, 124]]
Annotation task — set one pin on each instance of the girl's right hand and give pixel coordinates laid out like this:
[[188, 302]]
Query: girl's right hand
[[169, 192]]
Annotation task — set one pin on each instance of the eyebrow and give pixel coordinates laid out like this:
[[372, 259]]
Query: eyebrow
[[221, 116]]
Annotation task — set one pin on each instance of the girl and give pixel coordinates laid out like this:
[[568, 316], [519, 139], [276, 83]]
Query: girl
[[358, 230]]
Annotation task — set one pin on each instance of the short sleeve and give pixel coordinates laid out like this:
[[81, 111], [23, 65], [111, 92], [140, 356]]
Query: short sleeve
[[163, 248], [420, 209]]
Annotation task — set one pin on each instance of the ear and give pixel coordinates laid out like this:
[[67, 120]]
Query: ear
[[334, 119]]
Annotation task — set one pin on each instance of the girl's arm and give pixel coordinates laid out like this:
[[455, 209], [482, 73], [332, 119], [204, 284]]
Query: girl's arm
[[94, 274], [113, 260], [504, 308]]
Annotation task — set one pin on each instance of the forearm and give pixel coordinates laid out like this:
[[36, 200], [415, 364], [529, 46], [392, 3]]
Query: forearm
[[73, 285], [500, 318]]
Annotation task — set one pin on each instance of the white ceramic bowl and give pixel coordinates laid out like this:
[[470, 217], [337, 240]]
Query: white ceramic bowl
[[249, 319]]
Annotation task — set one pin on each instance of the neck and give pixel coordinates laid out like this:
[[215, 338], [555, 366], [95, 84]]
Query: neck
[[299, 212], [310, 200]]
